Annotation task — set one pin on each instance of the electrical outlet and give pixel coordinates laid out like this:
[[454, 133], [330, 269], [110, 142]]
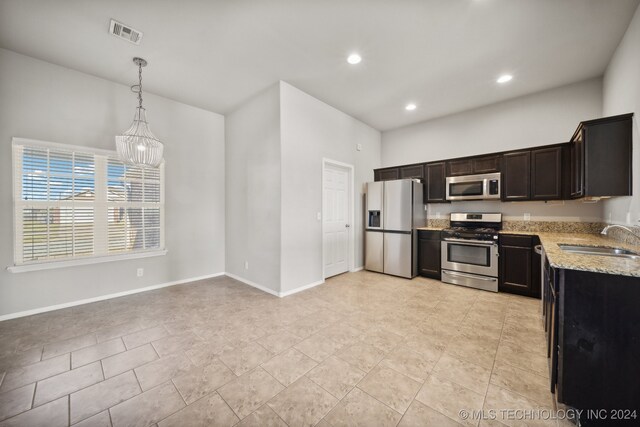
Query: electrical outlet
[[437, 215], [628, 217], [319, 216], [426, 208], [359, 147], [140, 272], [246, 265], [527, 217]]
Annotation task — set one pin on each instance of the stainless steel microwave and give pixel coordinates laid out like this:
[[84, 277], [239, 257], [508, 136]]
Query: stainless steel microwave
[[474, 187]]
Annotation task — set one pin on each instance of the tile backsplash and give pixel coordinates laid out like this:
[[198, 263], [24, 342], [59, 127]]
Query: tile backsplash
[[558, 227], [553, 226]]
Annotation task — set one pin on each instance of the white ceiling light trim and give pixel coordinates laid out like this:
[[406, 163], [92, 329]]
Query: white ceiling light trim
[[354, 59]]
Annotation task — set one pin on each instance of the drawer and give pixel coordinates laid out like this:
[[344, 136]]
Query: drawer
[[429, 234], [516, 240]]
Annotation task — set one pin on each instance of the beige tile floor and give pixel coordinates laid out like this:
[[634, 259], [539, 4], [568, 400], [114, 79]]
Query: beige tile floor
[[363, 349]]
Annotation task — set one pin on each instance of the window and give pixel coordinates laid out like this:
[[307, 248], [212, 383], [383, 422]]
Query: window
[[79, 203]]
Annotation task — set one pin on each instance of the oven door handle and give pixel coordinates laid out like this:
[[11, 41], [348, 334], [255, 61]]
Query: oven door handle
[[470, 242], [470, 276]]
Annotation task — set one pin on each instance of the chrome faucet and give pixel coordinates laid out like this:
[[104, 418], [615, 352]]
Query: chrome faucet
[[608, 227]]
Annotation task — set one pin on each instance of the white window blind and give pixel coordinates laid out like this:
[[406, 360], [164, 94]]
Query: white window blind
[[75, 202]]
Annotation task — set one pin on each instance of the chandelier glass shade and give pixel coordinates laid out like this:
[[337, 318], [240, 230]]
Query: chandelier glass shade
[[138, 145]]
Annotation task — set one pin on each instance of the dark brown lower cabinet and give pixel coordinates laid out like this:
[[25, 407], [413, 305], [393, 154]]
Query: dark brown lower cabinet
[[429, 253], [519, 265], [598, 346]]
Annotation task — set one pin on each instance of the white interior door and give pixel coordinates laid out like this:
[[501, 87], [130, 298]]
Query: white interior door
[[336, 226]]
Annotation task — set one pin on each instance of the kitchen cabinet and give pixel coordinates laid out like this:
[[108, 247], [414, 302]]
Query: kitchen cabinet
[[546, 173], [474, 165], [429, 253], [460, 167], [435, 185], [550, 312], [516, 179], [386, 174], [601, 157], [412, 171], [519, 265], [597, 162], [598, 342], [577, 165], [487, 164]]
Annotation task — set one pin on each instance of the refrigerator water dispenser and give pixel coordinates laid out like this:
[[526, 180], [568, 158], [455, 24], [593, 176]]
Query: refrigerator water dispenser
[[374, 219]]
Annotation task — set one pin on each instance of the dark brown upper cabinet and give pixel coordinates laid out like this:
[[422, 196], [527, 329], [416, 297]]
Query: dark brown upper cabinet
[[546, 173], [487, 164], [434, 189], [386, 174], [516, 179], [474, 165], [577, 165], [412, 171], [601, 157], [460, 167]]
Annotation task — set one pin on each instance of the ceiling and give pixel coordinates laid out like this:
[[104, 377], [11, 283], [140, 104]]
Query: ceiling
[[443, 55]]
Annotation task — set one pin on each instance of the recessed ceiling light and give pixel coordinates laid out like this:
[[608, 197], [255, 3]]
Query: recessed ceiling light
[[410, 107], [354, 59], [504, 78]]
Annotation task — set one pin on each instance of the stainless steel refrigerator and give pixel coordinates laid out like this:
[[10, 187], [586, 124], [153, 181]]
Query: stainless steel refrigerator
[[394, 211]]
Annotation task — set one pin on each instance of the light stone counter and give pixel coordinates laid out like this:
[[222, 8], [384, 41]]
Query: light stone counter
[[559, 258], [596, 263]]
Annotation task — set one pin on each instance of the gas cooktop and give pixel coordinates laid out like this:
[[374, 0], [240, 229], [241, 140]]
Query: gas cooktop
[[474, 226]]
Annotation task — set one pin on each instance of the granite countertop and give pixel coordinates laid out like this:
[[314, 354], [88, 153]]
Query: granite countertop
[[430, 228], [559, 258]]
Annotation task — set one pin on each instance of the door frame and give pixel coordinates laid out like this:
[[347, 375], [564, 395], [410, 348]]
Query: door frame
[[351, 215]]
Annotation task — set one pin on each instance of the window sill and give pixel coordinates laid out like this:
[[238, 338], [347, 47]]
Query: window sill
[[82, 261]]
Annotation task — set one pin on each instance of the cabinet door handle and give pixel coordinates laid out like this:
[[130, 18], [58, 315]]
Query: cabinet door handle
[[538, 249], [347, 225]]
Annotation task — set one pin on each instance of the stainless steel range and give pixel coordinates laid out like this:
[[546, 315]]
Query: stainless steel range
[[470, 250]]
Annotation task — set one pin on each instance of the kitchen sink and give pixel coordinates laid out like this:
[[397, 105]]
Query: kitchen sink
[[599, 250]]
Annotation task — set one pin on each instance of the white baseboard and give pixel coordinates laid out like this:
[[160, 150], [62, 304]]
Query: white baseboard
[[355, 270], [271, 291], [162, 285], [300, 289], [104, 297], [253, 284]]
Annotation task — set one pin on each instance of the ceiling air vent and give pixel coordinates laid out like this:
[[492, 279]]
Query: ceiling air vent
[[118, 29]]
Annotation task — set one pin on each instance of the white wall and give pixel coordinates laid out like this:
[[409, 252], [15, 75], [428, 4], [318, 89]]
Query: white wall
[[622, 95], [312, 130], [43, 101], [543, 118], [253, 190]]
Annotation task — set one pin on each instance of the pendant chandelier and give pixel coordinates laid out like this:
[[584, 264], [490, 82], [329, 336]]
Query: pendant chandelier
[[137, 145]]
